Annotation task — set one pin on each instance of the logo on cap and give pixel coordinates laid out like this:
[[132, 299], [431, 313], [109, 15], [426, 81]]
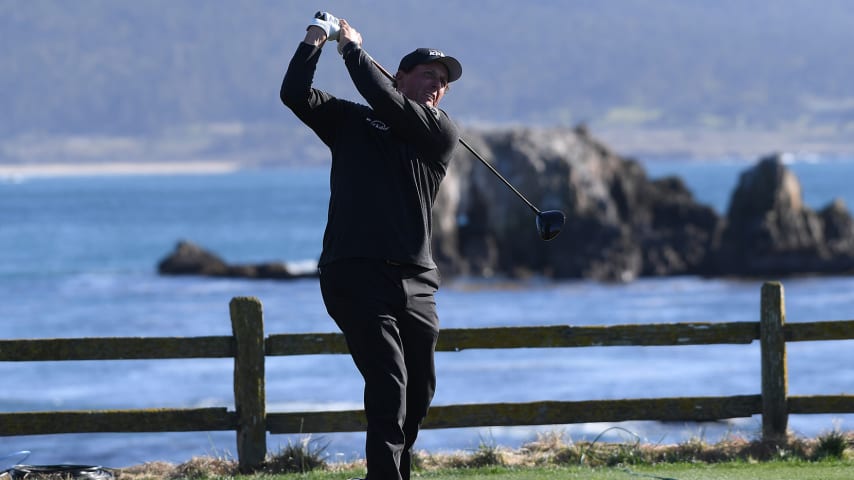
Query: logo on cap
[[436, 53]]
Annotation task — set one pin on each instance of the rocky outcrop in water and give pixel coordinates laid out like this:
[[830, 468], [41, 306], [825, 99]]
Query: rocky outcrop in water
[[769, 230], [191, 259], [620, 224]]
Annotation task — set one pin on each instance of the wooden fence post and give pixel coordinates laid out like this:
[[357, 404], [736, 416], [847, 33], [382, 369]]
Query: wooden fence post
[[775, 384], [247, 324]]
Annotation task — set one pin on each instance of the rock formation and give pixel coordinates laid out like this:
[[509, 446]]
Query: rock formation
[[620, 225], [191, 259], [769, 230]]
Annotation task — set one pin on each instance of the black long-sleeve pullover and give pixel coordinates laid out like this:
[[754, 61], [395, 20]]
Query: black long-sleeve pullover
[[388, 160]]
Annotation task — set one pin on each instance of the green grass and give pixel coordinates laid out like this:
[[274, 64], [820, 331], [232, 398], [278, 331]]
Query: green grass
[[776, 470], [773, 470]]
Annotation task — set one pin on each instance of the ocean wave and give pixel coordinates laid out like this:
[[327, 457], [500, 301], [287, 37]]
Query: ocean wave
[[302, 266], [301, 406]]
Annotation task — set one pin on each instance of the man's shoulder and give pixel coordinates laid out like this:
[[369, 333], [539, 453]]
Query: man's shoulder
[[450, 125]]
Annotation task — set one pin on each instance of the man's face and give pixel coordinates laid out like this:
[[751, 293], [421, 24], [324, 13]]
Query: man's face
[[426, 83]]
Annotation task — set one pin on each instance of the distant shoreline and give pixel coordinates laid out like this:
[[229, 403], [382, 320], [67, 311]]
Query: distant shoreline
[[110, 169], [699, 143], [87, 155]]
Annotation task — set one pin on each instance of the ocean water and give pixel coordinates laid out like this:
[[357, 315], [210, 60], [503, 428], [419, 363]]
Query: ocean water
[[79, 257]]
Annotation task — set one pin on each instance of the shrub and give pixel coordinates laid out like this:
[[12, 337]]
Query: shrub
[[300, 457], [486, 455], [205, 467], [830, 445]]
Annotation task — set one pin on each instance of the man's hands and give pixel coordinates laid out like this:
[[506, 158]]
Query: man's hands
[[328, 27], [348, 34], [326, 22]]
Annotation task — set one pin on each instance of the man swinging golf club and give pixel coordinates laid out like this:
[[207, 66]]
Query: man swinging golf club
[[377, 274]]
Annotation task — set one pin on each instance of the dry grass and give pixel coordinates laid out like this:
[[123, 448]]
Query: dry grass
[[551, 448], [197, 467]]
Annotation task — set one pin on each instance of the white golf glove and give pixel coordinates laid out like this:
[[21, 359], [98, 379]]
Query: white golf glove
[[329, 24]]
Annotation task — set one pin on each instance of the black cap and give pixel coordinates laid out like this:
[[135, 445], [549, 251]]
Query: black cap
[[428, 55]]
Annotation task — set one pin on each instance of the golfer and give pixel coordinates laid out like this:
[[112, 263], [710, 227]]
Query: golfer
[[377, 274]]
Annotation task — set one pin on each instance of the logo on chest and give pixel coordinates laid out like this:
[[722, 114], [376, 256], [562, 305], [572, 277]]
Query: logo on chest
[[378, 124]]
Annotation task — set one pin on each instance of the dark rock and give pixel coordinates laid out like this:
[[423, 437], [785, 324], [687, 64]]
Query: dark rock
[[769, 230], [681, 232], [620, 225], [839, 233], [190, 259]]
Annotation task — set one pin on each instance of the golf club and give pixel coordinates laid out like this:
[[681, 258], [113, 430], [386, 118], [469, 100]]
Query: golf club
[[549, 222]]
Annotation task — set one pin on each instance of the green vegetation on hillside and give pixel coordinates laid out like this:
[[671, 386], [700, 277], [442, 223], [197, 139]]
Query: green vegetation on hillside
[[158, 68]]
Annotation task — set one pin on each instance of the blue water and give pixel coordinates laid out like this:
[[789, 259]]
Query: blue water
[[79, 258]]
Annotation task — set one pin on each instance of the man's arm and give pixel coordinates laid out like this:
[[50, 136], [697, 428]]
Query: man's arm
[[315, 108], [298, 79], [425, 126], [315, 36]]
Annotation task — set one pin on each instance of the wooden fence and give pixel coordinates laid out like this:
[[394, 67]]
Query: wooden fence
[[249, 347]]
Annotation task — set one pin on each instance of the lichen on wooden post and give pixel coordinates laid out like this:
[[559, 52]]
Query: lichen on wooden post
[[247, 324], [775, 385]]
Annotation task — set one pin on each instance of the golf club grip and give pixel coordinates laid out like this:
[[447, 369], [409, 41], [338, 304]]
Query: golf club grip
[[473, 152], [382, 69]]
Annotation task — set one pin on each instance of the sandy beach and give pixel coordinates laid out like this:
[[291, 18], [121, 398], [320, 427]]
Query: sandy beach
[[21, 171]]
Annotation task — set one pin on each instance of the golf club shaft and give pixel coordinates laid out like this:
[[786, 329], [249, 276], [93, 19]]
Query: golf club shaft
[[473, 152]]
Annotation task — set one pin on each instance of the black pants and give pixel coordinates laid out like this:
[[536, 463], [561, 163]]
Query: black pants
[[387, 313]]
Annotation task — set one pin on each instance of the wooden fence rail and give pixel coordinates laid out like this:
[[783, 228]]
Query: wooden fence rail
[[248, 346]]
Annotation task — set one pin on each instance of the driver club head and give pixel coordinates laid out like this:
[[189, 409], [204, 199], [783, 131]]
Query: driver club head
[[549, 223]]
